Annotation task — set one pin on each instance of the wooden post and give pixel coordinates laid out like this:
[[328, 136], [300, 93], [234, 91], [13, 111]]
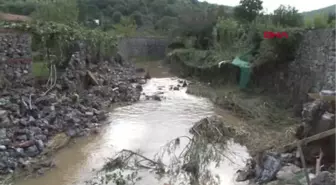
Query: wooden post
[[303, 161], [307, 140], [318, 162]]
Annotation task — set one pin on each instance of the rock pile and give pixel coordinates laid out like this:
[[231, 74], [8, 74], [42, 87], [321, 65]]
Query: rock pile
[[318, 116], [30, 120], [275, 168]]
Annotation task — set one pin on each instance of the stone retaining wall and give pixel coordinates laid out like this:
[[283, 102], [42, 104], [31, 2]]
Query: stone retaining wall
[[313, 69], [15, 56], [142, 47]]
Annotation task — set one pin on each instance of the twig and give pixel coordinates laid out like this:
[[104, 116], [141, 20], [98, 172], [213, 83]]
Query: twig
[[196, 131], [134, 153], [30, 102], [220, 133], [24, 102], [303, 161]]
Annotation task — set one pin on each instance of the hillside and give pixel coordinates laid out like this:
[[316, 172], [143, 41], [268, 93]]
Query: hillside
[[159, 15], [326, 10]]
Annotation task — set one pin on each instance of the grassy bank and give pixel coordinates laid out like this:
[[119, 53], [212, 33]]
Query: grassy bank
[[267, 124]]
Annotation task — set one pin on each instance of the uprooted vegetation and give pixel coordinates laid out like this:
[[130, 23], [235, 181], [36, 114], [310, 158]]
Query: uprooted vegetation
[[183, 160]]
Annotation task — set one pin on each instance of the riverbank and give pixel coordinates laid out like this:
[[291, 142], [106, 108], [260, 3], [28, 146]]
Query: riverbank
[[265, 122], [37, 120]]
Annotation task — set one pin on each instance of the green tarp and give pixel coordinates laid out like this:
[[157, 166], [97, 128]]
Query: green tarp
[[245, 71]]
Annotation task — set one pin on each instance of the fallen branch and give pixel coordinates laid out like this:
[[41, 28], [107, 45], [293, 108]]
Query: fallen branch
[[146, 158]]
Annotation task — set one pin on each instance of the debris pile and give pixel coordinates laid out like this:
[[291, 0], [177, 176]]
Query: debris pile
[[312, 162], [31, 120]]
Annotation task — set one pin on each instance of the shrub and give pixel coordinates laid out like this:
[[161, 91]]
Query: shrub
[[321, 21]]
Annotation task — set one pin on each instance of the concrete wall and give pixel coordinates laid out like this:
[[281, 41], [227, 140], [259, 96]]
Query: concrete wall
[[15, 56], [312, 70], [142, 47]]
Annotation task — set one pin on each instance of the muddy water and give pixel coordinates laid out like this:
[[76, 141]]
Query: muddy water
[[145, 126]]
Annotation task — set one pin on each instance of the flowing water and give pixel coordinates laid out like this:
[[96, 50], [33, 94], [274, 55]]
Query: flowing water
[[146, 126]]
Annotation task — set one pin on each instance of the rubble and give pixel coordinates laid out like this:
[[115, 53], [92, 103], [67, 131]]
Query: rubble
[[317, 116], [33, 124]]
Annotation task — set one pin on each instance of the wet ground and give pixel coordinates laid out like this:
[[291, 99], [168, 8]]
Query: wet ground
[[146, 126]]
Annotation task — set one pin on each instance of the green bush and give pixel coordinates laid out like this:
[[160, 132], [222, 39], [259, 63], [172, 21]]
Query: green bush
[[320, 21], [279, 50]]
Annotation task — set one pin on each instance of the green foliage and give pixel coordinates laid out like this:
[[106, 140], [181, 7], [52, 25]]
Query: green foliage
[[126, 27], [227, 31], [248, 10], [320, 21], [137, 16], [275, 51], [287, 17], [199, 24], [167, 23], [53, 40], [61, 11], [17, 7], [116, 17]]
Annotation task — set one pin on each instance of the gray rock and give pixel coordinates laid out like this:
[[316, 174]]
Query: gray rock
[[156, 97], [3, 147], [20, 151], [2, 165], [89, 113], [3, 133], [269, 167], [303, 180], [5, 141], [32, 151], [287, 172], [324, 178], [22, 137], [71, 132], [40, 144], [41, 137]]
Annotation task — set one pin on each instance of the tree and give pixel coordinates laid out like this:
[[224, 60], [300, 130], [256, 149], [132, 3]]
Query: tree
[[287, 17], [166, 23], [198, 24], [137, 16], [248, 10], [126, 27], [116, 17], [62, 11]]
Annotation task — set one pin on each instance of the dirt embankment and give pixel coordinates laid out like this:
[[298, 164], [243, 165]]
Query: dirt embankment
[[35, 121]]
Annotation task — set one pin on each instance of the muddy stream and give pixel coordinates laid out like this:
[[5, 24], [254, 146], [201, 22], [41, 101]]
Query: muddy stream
[[146, 126]]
